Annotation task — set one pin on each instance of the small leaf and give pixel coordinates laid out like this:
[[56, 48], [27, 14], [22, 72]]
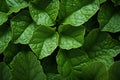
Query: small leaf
[[71, 37], [44, 41], [44, 12], [4, 71], [25, 66]]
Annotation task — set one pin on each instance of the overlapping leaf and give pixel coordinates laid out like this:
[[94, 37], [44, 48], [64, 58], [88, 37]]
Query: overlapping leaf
[[109, 18], [5, 37], [71, 37], [100, 46], [19, 23], [44, 12], [44, 41], [77, 12], [16, 5]]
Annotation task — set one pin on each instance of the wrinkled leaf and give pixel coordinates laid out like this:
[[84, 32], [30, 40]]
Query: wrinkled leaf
[[45, 13], [3, 6], [71, 37], [26, 35], [100, 46], [44, 41], [25, 66], [70, 63], [78, 11], [109, 18], [19, 23], [16, 5]]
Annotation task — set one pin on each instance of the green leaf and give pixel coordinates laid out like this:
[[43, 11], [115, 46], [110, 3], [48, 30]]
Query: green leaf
[[10, 52], [16, 5], [102, 1], [117, 2], [26, 36], [94, 71], [19, 23], [71, 37], [100, 46], [44, 12], [44, 41], [70, 63], [25, 66], [5, 37], [114, 72], [3, 17], [52, 76], [109, 18], [4, 71], [3, 6], [78, 11]]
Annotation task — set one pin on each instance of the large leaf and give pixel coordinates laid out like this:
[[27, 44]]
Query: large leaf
[[3, 17], [5, 37], [109, 18], [100, 46], [4, 71], [19, 23], [71, 37], [16, 5], [44, 12], [114, 72], [70, 63], [25, 66], [77, 12], [44, 41], [75, 65]]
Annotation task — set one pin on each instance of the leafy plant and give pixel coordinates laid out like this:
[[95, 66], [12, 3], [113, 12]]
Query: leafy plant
[[59, 39]]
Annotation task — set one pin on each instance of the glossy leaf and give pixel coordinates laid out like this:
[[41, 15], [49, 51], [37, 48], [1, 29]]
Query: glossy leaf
[[44, 41], [16, 5], [78, 11], [109, 18], [45, 13], [71, 37], [19, 23]]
